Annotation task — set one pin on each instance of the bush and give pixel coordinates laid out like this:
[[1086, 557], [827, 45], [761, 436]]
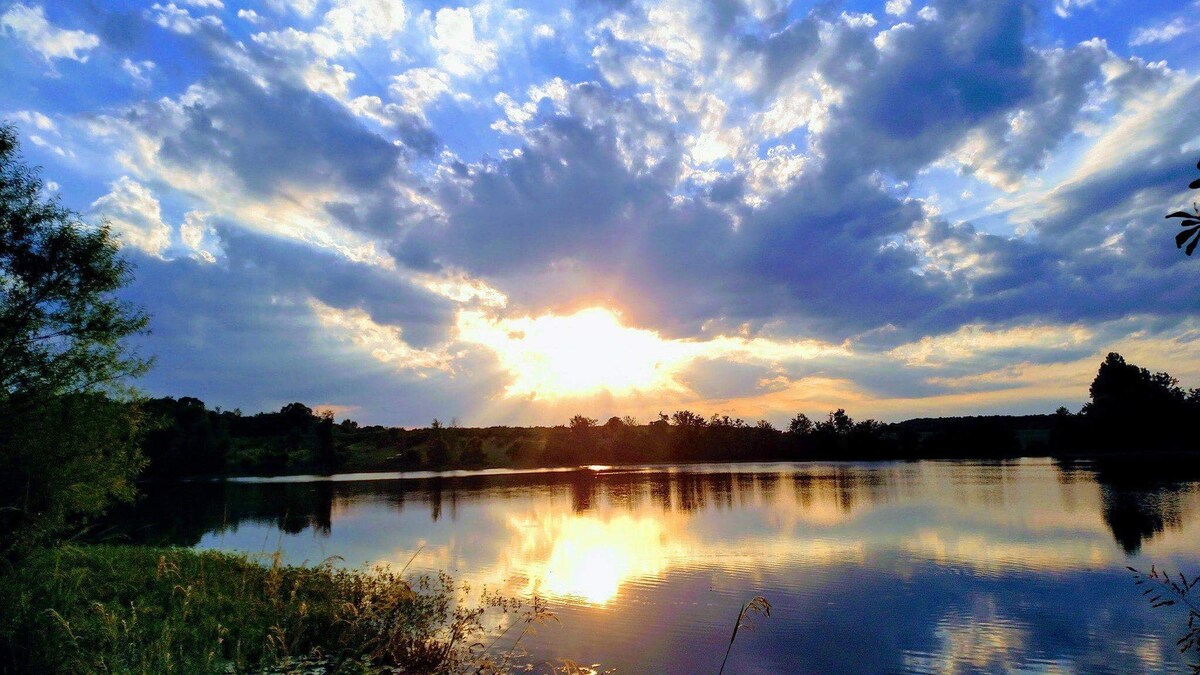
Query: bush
[[161, 610]]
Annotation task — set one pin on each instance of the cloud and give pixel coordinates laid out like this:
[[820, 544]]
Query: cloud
[[384, 343], [800, 209], [29, 24], [138, 71], [1065, 8], [1163, 32], [34, 119], [353, 24], [179, 20], [419, 88], [250, 16], [199, 238], [135, 216], [460, 52]]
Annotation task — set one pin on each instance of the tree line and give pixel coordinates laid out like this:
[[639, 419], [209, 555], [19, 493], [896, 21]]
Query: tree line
[[1130, 409], [75, 437]]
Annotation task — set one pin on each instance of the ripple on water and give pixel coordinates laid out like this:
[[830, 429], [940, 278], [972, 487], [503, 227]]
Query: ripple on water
[[913, 567]]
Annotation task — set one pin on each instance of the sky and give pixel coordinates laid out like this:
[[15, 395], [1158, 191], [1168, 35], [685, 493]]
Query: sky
[[510, 213]]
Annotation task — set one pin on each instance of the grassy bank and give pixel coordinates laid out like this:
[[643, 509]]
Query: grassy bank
[[130, 609]]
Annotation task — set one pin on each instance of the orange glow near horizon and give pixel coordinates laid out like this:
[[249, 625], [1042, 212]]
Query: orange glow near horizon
[[580, 354]]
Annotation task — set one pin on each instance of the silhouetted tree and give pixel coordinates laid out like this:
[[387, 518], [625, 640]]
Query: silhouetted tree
[[326, 452], [800, 425], [1133, 409], [581, 423]]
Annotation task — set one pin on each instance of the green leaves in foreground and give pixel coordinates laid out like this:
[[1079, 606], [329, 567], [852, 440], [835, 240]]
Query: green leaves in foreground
[[1190, 222]]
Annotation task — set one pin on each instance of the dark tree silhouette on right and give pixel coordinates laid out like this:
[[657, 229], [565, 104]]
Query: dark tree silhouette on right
[[1190, 222]]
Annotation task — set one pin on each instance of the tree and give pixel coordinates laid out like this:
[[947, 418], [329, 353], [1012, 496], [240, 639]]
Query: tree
[[1131, 407], [1190, 222], [580, 423], [800, 425], [326, 451], [68, 433], [838, 422]]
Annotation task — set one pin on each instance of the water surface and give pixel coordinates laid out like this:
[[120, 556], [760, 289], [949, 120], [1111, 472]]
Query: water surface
[[892, 567]]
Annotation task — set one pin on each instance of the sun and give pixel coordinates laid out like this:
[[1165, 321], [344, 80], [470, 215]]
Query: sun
[[585, 353]]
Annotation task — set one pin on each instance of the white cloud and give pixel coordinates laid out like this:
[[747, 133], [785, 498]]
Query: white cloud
[[199, 238], [898, 7], [135, 216], [205, 4], [30, 25], [1064, 8], [250, 16], [179, 20], [1163, 32], [304, 8], [973, 341], [859, 20], [419, 87], [138, 71], [454, 37], [355, 23], [385, 343], [332, 80], [33, 118], [347, 27]]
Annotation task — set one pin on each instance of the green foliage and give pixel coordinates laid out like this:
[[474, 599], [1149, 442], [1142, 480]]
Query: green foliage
[[65, 449], [151, 610], [188, 439]]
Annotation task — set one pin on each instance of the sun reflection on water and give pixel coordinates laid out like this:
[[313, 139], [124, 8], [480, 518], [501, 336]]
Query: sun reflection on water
[[979, 561], [589, 557]]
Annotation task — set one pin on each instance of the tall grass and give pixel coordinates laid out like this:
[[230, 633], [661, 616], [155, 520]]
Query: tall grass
[[127, 609], [1161, 590], [759, 605]]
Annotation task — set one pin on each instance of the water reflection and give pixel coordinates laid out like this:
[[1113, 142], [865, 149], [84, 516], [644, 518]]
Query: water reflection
[[933, 566]]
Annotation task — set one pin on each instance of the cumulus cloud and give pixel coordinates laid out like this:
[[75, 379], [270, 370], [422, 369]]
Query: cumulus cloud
[[135, 216], [459, 51], [418, 88], [250, 16], [30, 25], [917, 200]]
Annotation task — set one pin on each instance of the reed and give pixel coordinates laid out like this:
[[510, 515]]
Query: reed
[[759, 605], [1162, 590]]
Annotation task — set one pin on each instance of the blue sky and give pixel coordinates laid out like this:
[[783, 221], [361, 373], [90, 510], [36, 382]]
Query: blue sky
[[509, 213]]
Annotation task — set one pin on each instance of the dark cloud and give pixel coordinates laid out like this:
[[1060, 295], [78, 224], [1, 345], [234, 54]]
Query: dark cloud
[[242, 334]]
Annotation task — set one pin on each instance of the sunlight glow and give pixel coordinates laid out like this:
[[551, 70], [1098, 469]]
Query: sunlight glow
[[579, 354], [591, 352]]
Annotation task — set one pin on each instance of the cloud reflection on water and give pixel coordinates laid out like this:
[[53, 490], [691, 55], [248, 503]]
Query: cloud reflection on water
[[954, 566]]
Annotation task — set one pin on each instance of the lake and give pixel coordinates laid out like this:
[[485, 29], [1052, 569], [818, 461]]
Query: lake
[[886, 567]]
